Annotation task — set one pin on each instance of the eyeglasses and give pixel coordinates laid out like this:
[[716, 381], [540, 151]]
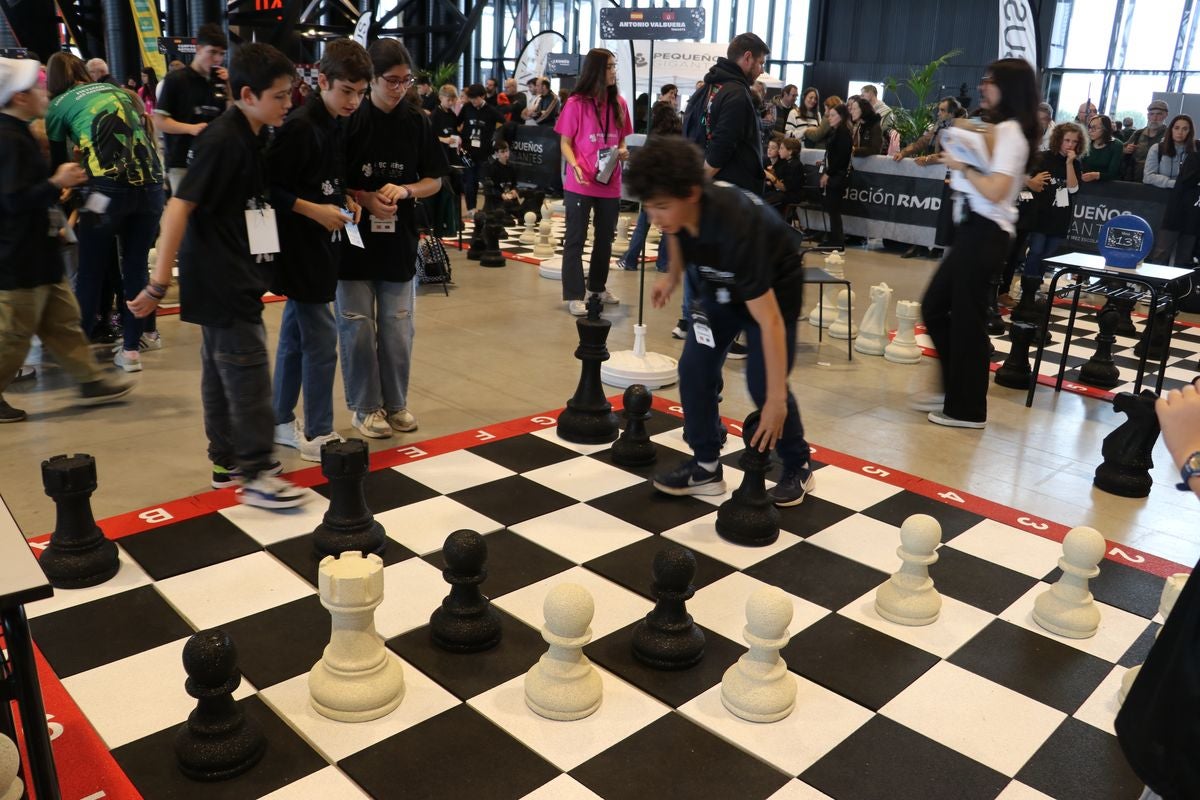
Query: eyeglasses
[[398, 83], [987, 79]]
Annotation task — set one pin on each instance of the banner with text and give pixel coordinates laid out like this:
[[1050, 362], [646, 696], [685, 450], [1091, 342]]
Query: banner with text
[[536, 156], [652, 23], [145, 19], [1018, 31]]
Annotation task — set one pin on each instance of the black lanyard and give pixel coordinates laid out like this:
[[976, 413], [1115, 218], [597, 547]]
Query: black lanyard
[[602, 124]]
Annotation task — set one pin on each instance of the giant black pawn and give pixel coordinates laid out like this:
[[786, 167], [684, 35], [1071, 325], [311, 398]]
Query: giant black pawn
[[475, 252], [217, 741], [1100, 370], [348, 523], [1153, 344], [493, 232], [1124, 309], [749, 517], [465, 622], [588, 417], [1127, 450], [1015, 372], [78, 554], [634, 448], [668, 638]]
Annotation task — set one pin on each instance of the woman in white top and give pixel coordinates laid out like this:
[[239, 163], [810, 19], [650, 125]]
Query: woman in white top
[[955, 304]]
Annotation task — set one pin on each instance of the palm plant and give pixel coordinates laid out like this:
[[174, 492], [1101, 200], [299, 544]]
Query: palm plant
[[913, 121], [443, 74]]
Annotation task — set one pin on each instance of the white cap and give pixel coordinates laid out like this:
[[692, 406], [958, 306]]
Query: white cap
[[17, 75]]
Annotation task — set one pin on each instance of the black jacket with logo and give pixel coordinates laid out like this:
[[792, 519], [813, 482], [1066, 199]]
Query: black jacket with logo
[[731, 131]]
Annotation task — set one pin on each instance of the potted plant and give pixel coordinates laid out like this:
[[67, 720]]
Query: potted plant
[[914, 121]]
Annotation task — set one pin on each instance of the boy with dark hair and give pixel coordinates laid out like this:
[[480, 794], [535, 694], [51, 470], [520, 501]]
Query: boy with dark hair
[[191, 98], [744, 264], [429, 99], [223, 230], [34, 297], [307, 164], [500, 188], [477, 123]]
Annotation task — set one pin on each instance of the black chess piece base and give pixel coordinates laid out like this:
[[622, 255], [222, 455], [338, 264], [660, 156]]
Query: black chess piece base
[[78, 554], [668, 650]]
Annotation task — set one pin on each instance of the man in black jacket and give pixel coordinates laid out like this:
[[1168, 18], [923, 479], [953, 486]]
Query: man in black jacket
[[721, 115]]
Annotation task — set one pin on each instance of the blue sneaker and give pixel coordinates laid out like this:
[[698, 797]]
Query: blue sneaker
[[267, 491], [793, 485], [690, 478], [224, 477]]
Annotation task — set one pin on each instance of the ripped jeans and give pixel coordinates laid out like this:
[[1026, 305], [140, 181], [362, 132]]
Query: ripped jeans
[[375, 335]]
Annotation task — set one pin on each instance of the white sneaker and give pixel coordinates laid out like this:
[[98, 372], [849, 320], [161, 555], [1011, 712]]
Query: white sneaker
[[373, 425], [310, 449], [401, 420], [289, 434], [578, 308], [267, 491], [151, 341], [128, 360], [678, 333], [609, 299]]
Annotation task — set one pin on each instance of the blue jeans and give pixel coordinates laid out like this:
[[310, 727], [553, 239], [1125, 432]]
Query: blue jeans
[[375, 333], [700, 382], [1041, 247], [130, 221], [629, 260], [306, 359], [235, 377]]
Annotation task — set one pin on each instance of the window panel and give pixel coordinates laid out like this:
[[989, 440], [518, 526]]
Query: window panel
[[1151, 43], [1134, 94], [1076, 88], [1090, 33], [797, 34], [586, 12]]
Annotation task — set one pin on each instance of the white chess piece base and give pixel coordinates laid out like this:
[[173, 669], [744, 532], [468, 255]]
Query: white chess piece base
[[627, 367]]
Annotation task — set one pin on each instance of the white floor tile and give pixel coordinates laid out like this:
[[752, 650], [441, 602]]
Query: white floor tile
[[454, 471], [268, 527], [1019, 791], [330, 783], [337, 740], [233, 589], [971, 715], [412, 589], [583, 478], [551, 435], [956, 625], [798, 790], [1100, 709], [818, 723], [701, 535], [721, 607], [579, 532], [1025, 552], [851, 489], [623, 712], [129, 576], [423, 527], [1118, 628], [674, 440], [616, 606], [862, 539], [139, 695], [564, 787]]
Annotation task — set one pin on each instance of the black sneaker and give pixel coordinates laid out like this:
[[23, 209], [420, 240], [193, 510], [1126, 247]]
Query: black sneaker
[[793, 485], [105, 390], [690, 478], [223, 477], [737, 351], [10, 414]]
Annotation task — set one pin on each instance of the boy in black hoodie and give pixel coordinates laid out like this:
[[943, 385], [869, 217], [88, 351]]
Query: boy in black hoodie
[[500, 188], [721, 117]]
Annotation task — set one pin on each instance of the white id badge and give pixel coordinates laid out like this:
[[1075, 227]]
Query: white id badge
[[97, 203], [353, 234], [1025, 195], [261, 231], [476, 143], [382, 225], [703, 334], [606, 164], [1061, 197]]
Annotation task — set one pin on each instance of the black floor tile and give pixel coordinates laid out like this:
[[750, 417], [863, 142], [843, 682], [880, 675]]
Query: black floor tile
[[982, 584], [302, 558], [513, 499], [281, 642], [895, 509], [513, 562], [818, 575], [1079, 762], [192, 544], [523, 453], [386, 489], [633, 566], [649, 509]]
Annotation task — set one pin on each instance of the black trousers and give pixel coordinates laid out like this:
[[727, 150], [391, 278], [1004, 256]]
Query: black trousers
[[835, 190], [603, 213], [955, 308]]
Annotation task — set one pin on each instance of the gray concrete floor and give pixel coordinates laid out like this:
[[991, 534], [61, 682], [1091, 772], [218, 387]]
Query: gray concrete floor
[[501, 346]]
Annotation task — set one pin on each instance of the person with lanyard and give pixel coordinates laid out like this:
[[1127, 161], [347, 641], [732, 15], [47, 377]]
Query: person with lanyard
[[592, 129], [306, 161], [955, 305], [477, 123], [744, 262], [394, 159], [222, 227], [191, 98]]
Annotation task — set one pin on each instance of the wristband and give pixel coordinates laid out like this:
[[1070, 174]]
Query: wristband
[[152, 293]]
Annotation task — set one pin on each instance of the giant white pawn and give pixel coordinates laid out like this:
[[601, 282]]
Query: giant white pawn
[[842, 326], [872, 334], [11, 787], [1068, 608], [564, 685], [653, 235], [544, 247], [908, 597], [357, 678], [530, 234], [824, 312], [759, 688], [903, 349], [622, 240], [1170, 594]]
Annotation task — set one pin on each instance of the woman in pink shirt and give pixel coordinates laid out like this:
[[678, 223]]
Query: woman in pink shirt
[[593, 126]]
